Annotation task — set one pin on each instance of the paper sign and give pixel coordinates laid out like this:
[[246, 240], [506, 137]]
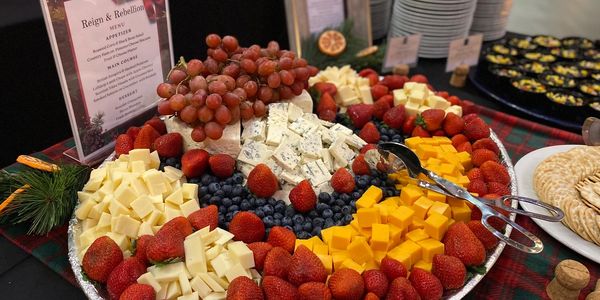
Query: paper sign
[[464, 51], [324, 13], [110, 57], [401, 50]]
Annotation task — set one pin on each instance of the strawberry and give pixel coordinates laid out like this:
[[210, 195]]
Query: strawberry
[[431, 119], [123, 144], [486, 143], [488, 239], [314, 291], [346, 284], [449, 270], [277, 263], [138, 291], [379, 90], [459, 139], [394, 82], [465, 147], [180, 224], [206, 216], [305, 267], [326, 102], [468, 107], [262, 182], [439, 132], [222, 165], [475, 173], [443, 94], [376, 282], [453, 124], [133, 132], [469, 117], [194, 162], [392, 268], [327, 115], [494, 172], [141, 244], [342, 181], [369, 133], [373, 79], [370, 296], [276, 288], [244, 288], [367, 71], [325, 88], [380, 107], [101, 258], [453, 100], [498, 188], [420, 78], [409, 124], [145, 138], [260, 250], [360, 114], [247, 227], [420, 131], [426, 284], [169, 145], [124, 275], [479, 156], [475, 212], [496, 222], [402, 289], [360, 166], [387, 98], [303, 197], [394, 118], [367, 147], [282, 237], [476, 129], [461, 243], [158, 124], [477, 186], [166, 245]]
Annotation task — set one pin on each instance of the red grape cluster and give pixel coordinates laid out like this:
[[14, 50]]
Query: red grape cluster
[[232, 83]]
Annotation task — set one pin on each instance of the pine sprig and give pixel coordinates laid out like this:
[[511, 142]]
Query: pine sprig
[[50, 199]]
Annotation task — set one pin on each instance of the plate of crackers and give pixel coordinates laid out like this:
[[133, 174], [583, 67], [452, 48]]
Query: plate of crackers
[[566, 176]]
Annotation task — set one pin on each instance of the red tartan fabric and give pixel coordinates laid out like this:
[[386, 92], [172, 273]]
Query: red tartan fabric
[[515, 275]]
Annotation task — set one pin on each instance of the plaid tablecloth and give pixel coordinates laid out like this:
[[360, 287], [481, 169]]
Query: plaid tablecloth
[[515, 275]]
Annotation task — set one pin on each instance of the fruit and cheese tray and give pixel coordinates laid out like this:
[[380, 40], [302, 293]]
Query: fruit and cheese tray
[[261, 179]]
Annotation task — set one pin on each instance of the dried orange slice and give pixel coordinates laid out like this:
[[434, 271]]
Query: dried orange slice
[[367, 51], [332, 43]]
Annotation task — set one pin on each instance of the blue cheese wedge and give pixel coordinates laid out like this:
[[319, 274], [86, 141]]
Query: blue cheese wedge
[[256, 130], [294, 112], [287, 157], [254, 153], [302, 126], [311, 145], [316, 172]]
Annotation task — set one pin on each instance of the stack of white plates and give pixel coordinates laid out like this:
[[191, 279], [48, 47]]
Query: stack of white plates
[[380, 17], [491, 18], [438, 21]]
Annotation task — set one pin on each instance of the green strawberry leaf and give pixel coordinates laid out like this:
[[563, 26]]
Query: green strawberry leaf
[[477, 269]]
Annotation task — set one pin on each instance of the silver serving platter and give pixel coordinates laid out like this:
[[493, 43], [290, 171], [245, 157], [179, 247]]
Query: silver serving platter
[[97, 293]]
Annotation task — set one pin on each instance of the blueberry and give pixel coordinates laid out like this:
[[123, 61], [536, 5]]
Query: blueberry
[[171, 161], [321, 207], [376, 181], [236, 190], [238, 178], [328, 223], [226, 202], [384, 138], [214, 200], [205, 198], [268, 209], [261, 201], [397, 137], [234, 208], [272, 201], [315, 231], [347, 219], [337, 216], [289, 227], [338, 222], [205, 179], [229, 216], [227, 189], [362, 183], [346, 210], [289, 211], [327, 213], [324, 197], [318, 222], [236, 200], [287, 221], [222, 209], [235, 213], [269, 221], [221, 219], [277, 216], [203, 190], [366, 177], [297, 228], [307, 226], [389, 193], [226, 225], [361, 191], [195, 180], [340, 202], [277, 222], [213, 187], [303, 235], [313, 214], [219, 193], [345, 197], [252, 202], [355, 195], [245, 205], [335, 194], [259, 213], [298, 219], [280, 207], [353, 203], [337, 209]]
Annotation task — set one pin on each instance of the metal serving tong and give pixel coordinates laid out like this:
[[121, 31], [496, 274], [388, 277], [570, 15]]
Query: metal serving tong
[[397, 157]]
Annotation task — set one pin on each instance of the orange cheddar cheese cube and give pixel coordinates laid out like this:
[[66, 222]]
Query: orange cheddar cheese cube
[[409, 194], [384, 211], [416, 224], [380, 237], [431, 247], [435, 196], [327, 233], [371, 265], [307, 243], [450, 222], [368, 216], [440, 208], [322, 249], [340, 237], [413, 142], [391, 201], [316, 240], [359, 237], [350, 264], [359, 251], [395, 235], [440, 140], [448, 169], [412, 248], [417, 235], [401, 256], [452, 179], [423, 265], [327, 261], [461, 213], [338, 258], [455, 202], [379, 255], [371, 196], [425, 151], [448, 148], [435, 225], [432, 161], [421, 206], [463, 180], [401, 217], [465, 160]]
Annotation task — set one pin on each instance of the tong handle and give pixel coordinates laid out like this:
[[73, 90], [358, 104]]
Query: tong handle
[[556, 213]]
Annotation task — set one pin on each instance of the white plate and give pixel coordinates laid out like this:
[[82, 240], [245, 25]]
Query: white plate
[[524, 170]]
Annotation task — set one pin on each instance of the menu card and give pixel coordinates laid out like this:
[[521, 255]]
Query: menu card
[[401, 50], [324, 13], [110, 56], [464, 51]]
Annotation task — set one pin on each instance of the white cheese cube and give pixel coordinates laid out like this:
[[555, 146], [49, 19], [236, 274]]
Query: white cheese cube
[[216, 296], [172, 212], [84, 209], [254, 153], [82, 196], [399, 97], [176, 197], [423, 108], [127, 225], [154, 160], [104, 220], [148, 278], [87, 237], [416, 97], [190, 296], [291, 178], [188, 207], [256, 130], [137, 166], [173, 171], [339, 128], [189, 191], [224, 236], [210, 237], [214, 251], [211, 283], [123, 157], [241, 253], [255, 274], [294, 112], [412, 109], [222, 282], [116, 208], [316, 172], [456, 109], [327, 159], [139, 187], [311, 145], [142, 206], [199, 286], [169, 272], [153, 218], [145, 229], [120, 239], [221, 264], [438, 102], [355, 141], [195, 259], [174, 290], [365, 94], [88, 223], [351, 101], [408, 86], [286, 157], [184, 284], [162, 293], [235, 271], [140, 154]]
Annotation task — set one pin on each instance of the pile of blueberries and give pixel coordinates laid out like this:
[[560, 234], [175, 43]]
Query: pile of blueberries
[[388, 134], [231, 196], [174, 162]]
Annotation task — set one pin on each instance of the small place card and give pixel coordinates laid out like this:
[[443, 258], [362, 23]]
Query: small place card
[[324, 13], [464, 51], [401, 50]]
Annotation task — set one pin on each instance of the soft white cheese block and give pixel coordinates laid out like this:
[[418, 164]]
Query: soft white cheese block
[[148, 278], [455, 109], [195, 259], [174, 290], [199, 286], [241, 253], [399, 97], [304, 101], [190, 296], [412, 109], [229, 143], [216, 296], [169, 272], [215, 286], [184, 284]]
